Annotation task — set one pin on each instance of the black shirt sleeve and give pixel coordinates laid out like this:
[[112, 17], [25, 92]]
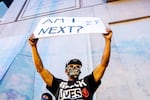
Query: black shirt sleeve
[[93, 85], [54, 88]]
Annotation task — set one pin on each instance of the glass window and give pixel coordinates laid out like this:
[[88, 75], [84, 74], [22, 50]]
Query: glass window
[[4, 5]]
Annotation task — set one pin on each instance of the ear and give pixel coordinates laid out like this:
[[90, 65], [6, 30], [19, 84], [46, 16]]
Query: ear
[[66, 71]]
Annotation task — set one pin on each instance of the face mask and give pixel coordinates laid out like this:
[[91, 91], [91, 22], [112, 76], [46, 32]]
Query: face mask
[[74, 70]]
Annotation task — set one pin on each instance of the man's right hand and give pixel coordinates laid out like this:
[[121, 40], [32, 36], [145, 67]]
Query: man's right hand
[[32, 41]]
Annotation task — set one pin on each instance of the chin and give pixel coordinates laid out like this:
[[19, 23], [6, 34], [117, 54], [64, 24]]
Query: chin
[[75, 77]]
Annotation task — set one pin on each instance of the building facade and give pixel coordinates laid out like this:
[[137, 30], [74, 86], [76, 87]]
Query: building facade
[[127, 76]]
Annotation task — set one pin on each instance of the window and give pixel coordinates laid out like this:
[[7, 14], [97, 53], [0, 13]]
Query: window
[[37, 8], [4, 5]]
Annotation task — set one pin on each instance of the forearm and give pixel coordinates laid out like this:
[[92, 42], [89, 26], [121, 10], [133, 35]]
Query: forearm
[[45, 74], [36, 59], [100, 69], [106, 53]]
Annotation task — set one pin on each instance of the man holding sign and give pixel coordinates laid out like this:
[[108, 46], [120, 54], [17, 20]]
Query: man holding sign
[[74, 88]]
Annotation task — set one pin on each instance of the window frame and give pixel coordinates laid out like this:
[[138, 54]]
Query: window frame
[[9, 17]]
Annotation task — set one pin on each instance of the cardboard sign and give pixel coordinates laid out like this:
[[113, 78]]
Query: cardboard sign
[[52, 26]]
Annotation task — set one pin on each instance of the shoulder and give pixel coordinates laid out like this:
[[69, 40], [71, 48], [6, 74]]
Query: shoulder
[[90, 78], [55, 84], [57, 80]]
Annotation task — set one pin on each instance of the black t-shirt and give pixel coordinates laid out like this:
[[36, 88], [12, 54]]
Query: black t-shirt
[[82, 89]]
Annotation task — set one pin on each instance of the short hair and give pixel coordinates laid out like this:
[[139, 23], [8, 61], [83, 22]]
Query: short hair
[[47, 94]]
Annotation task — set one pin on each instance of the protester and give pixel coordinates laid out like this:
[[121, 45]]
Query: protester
[[74, 88]]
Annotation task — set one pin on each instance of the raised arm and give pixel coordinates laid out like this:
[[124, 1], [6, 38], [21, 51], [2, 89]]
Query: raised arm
[[45, 74], [100, 69]]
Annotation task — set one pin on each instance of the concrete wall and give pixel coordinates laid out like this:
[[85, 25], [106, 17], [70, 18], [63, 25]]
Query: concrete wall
[[126, 78]]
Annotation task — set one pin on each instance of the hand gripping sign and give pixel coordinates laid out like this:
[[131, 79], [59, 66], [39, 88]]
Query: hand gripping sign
[[52, 26]]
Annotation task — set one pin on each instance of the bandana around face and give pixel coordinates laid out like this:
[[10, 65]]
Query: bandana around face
[[74, 70]]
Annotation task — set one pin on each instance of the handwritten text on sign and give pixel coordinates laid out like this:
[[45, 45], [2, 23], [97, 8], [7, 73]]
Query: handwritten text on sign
[[50, 26]]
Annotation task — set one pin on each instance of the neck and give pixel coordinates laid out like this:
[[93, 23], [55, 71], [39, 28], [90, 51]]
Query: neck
[[72, 79]]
